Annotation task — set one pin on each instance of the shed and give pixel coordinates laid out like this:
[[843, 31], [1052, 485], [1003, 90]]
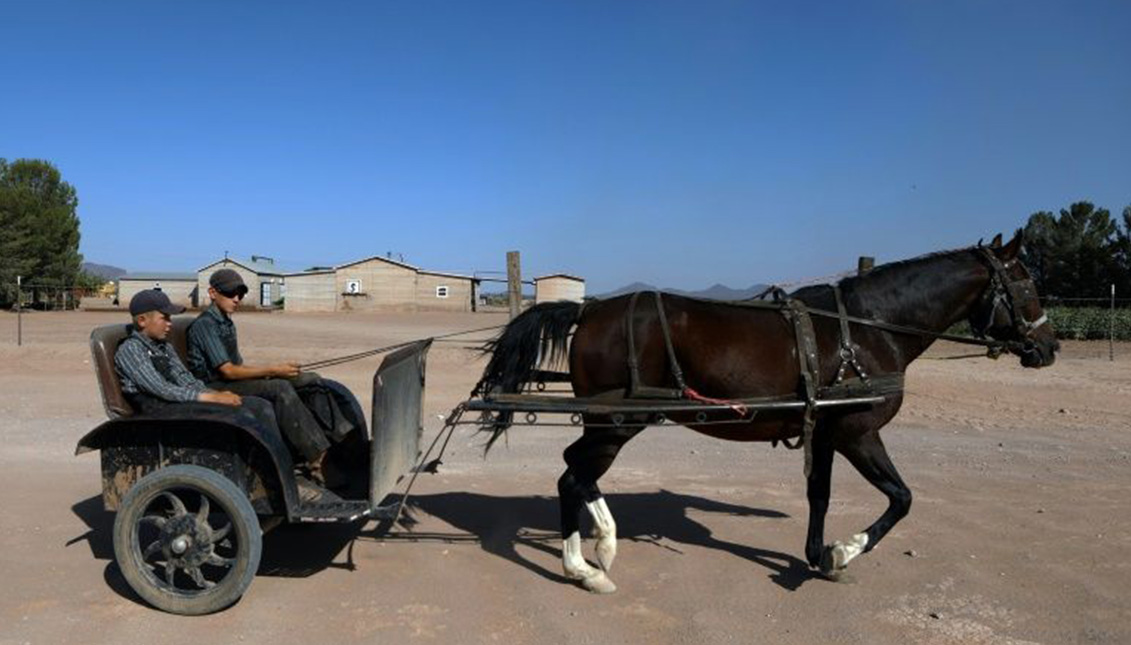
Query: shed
[[558, 286], [180, 287], [263, 279], [379, 284]]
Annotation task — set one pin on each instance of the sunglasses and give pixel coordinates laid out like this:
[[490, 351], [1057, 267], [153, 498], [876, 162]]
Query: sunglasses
[[238, 295]]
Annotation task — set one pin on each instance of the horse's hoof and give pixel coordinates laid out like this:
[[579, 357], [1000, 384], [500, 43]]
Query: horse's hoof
[[606, 553], [833, 561], [598, 583]]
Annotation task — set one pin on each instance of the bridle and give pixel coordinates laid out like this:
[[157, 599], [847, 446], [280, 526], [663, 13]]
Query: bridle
[[1012, 294]]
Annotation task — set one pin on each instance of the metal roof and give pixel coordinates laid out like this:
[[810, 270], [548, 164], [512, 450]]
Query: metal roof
[[262, 268], [159, 275], [559, 275]]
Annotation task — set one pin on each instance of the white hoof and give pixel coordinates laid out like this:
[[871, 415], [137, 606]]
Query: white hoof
[[841, 553], [598, 583]]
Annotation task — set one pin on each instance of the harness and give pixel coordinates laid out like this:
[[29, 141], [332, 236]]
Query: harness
[[1003, 291]]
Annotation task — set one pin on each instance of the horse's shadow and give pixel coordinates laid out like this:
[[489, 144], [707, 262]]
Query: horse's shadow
[[498, 524], [501, 524]]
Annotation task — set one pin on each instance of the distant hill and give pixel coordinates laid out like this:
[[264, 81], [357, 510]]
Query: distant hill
[[715, 292], [104, 271]]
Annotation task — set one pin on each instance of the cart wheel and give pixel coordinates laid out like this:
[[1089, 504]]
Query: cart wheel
[[187, 540]]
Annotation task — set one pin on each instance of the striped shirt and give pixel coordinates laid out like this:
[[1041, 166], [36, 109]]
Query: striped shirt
[[152, 367], [211, 343]]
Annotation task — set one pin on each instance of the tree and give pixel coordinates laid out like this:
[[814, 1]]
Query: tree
[[1075, 254], [39, 226]]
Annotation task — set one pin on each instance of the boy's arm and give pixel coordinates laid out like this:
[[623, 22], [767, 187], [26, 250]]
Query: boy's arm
[[133, 362]]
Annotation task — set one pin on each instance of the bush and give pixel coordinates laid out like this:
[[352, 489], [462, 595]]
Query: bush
[[1077, 323], [1089, 323]]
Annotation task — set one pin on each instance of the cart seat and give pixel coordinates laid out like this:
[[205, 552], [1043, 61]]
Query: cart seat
[[104, 345]]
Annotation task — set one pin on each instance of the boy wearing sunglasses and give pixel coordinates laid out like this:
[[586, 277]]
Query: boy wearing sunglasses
[[214, 358]]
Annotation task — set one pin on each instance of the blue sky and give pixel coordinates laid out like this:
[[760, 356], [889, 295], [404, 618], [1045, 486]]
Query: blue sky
[[678, 143]]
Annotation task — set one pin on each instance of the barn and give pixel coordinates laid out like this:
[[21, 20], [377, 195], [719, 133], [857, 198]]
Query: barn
[[180, 287], [558, 286], [379, 284], [264, 281]]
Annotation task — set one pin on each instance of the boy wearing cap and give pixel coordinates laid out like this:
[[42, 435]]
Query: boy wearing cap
[[153, 376], [214, 357]]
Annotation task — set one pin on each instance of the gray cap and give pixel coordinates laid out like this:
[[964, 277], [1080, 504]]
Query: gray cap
[[227, 282], [149, 300]]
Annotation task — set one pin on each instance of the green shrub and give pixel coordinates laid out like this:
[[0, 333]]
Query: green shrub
[[1089, 323]]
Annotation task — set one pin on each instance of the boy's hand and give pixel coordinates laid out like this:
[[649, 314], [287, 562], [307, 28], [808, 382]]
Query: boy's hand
[[286, 370], [223, 398]]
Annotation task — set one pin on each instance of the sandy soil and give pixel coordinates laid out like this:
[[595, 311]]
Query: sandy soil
[[1019, 530]]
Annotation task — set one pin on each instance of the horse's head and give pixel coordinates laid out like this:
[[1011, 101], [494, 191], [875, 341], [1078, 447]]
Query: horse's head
[[1009, 309]]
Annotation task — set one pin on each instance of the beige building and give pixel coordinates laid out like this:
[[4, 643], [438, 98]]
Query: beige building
[[180, 287], [558, 286], [264, 281], [379, 284]]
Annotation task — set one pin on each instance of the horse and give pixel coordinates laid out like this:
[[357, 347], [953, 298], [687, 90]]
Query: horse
[[729, 351]]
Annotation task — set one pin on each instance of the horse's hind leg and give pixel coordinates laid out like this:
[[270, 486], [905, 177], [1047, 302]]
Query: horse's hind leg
[[587, 459], [868, 454]]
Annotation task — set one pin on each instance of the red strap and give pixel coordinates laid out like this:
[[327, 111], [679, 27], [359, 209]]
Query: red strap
[[733, 405]]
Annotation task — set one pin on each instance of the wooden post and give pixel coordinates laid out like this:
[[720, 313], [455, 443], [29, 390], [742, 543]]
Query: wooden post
[[514, 283], [19, 312], [1111, 327], [864, 264]]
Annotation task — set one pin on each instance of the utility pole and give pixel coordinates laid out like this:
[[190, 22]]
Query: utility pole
[[19, 312], [514, 283], [1111, 327]]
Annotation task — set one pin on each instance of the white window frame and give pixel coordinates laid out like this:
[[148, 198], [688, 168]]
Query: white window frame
[[442, 291]]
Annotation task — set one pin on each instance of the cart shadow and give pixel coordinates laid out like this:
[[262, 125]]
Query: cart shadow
[[501, 524]]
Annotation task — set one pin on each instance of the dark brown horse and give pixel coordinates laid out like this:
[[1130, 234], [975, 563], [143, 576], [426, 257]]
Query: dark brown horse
[[731, 351]]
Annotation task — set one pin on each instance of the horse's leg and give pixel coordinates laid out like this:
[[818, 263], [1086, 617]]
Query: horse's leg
[[868, 455], [820, 477], [587, 459]]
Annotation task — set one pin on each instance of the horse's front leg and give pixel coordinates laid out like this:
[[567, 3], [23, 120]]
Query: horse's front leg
[[868, 454], [820, 477]]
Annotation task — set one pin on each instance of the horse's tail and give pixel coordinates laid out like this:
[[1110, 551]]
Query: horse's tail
[[538, 336]]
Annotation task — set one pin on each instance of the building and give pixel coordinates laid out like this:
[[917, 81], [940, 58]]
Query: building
[[379, 284], [558, 286], [264, 281], [181, 288]]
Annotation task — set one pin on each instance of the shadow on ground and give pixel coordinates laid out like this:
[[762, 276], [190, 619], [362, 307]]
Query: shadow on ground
[[501, 524], [498, 524]]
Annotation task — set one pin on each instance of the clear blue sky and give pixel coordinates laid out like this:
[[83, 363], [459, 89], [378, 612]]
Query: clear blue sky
[[678, 143]]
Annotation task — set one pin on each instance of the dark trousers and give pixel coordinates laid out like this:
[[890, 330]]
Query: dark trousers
[[300, 427], [259, 409]]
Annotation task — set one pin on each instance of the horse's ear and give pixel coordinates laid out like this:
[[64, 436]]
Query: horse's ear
[[996, 242], [1010, 251]]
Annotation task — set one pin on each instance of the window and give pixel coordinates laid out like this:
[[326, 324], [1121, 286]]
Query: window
[[353, 287], [442, 291]]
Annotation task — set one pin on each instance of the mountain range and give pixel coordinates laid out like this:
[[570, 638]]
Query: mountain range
[[104, 271], [715, 292]]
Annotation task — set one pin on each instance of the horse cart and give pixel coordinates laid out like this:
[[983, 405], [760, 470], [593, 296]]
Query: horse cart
[[195, 491], [822, 368]]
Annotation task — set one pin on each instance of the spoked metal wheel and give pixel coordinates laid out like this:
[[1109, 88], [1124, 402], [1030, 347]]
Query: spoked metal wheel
[[187, 540]]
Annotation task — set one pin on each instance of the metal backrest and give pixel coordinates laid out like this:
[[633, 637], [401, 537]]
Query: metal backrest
[[104, 345]]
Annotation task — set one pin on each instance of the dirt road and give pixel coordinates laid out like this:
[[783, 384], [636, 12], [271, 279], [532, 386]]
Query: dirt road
[[1019, 531]]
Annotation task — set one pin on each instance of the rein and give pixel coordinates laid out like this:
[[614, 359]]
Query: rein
[[331, 362]]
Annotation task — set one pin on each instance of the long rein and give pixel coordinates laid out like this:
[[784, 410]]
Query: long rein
[[338, 360]]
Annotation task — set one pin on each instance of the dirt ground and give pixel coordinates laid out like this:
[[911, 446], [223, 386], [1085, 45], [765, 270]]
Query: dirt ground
[[1019, 531]]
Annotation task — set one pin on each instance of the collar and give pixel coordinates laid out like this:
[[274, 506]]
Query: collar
[[220, 316], [154, 345]]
